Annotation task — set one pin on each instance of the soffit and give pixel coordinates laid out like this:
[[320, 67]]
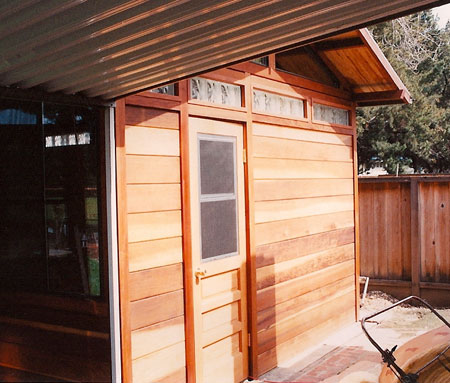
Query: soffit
[[111, 48]]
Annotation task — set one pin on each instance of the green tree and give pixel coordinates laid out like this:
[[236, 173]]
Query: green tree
[[416, 135]]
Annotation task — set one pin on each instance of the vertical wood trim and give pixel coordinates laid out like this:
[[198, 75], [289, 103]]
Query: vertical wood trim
[[356, 213], [415, 238], [250, 227], [186, 229], [122, 224], [111, 240], [272, 62]]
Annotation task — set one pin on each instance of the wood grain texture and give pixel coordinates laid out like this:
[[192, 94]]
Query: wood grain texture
[[274, 190], [153, 197], [156, 337], [64, 367], [295, 306], [146, 312], [160, 365], [288, 169], [122, 234], [157, 225], [156, 253], [284, 351], [269, 211], [297, 267], [294, 248], [151, 117], [294, 228], [152, 169], [295, 325], [270, 147], [404, 230], [285, 291], [301, 134], [155, 281], [152, 141]]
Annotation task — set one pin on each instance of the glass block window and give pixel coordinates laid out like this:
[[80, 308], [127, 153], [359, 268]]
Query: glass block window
[[216, 92], [331, 114], [274, 103], [262, 61], [171, 90], [218, 199]]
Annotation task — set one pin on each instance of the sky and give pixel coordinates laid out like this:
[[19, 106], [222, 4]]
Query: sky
[[443, 12]]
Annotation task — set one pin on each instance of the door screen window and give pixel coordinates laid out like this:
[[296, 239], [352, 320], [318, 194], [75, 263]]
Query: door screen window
[[218, 200]]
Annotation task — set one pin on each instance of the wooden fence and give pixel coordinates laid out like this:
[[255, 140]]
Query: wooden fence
[[405, 235]]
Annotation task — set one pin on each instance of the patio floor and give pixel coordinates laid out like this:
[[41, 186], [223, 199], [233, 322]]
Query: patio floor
[[349, 351]]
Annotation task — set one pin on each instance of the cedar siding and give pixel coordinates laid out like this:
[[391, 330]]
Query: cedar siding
[[300, 223]]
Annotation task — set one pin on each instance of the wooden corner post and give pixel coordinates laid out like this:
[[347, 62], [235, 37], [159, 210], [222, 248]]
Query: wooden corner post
[[415, 238]]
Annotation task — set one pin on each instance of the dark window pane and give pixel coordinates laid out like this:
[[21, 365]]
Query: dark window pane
[[22, 244], [262, 60], [71, 195], [171, 90], [218, 228], [216, 167]]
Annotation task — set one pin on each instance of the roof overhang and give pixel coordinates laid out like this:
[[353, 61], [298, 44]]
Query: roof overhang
[[363, 70], [112, 48]]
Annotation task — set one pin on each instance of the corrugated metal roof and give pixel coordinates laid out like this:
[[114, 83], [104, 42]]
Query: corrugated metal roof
[[110, 48]]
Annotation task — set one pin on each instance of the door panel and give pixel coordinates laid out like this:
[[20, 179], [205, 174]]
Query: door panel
[[218, 250]]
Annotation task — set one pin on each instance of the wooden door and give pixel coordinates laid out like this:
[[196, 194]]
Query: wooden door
[[218, 250]]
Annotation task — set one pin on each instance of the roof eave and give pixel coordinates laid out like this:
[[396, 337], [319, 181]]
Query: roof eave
[[399, 96]]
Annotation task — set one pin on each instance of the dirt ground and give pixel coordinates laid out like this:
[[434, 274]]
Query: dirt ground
[[407, 321], [349, 351]]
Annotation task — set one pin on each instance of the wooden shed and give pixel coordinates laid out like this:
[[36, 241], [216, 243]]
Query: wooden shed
[[229, 198]]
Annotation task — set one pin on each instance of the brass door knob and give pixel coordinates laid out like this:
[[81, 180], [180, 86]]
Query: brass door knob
[[200, 273]]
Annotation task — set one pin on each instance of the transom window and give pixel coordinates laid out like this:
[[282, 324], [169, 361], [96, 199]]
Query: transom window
[[267, 102], [331, 114], [216, 92]]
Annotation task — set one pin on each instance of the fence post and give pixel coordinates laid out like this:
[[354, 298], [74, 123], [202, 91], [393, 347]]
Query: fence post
[[415, 238]]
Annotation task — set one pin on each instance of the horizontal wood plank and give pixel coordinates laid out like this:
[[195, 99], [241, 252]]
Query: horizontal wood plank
[[146, 312], [270, 147], [273, 190], [295, 325], [61, 365], [295, 306], [151, 282], [269, 211], [298, 247], [160, 365], [154, 338], [156, 253], [151, 117], [276, 169], [154, 197], [294, 228], [297, 267], [301, 134], [287, 350], [152, 169], [152, 141], [158, 225], [290, 289]]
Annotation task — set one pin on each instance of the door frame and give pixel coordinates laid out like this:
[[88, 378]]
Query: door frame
[[187, 234]]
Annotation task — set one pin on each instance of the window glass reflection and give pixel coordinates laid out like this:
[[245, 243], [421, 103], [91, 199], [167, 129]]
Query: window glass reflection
[[71, 185], [49, 198]]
